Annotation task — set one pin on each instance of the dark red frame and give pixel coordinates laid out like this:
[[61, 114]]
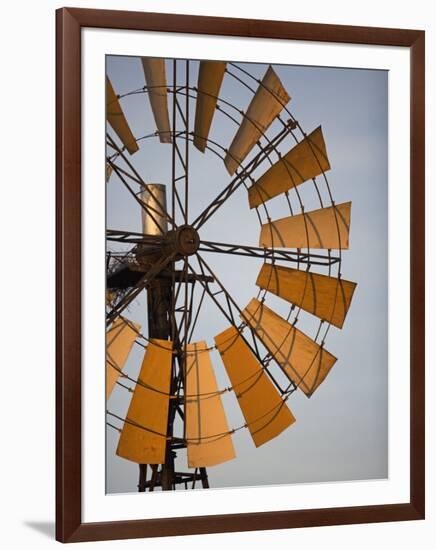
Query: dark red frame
[[69, 526]]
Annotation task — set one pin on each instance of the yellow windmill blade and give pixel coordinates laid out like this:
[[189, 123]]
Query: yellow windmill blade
[[155, 78], [109, 171], [327, 228], [143, 437], [120, 338], [328, 298], [210, 78], [207, 432], [304, 361], [265, 413], [116, 118], [303, 162], [268, 101]]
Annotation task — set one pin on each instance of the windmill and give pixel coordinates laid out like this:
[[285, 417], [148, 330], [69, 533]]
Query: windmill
[[176, 402]]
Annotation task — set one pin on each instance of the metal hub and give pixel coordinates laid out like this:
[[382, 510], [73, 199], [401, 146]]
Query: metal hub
[[184, 240]]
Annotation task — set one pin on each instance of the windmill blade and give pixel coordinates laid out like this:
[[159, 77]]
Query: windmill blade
[[155, 78], [109, 171], [117, 120], [305, 161], [326, 297], [304, 361], [120, 339], [149, 408], [210, 78], [205, 416], [262, 406], [268, 101], [323, 228]]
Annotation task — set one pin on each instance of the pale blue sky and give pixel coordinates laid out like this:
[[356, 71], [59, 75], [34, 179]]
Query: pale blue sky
[[341, 432]]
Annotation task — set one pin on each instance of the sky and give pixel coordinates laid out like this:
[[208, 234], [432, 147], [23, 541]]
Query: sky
[[341, 431]]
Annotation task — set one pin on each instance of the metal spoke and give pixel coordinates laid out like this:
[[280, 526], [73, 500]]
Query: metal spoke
[[229, 298], [272, 254], [140, 181], [180, 155], [119, 170], [148, 209], [133, 237], [239, 179], [212, 295], [194, 322], [222, 197], [230, 318]]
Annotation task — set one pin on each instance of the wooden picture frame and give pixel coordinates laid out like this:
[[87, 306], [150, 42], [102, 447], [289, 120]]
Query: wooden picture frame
[[69, 526]]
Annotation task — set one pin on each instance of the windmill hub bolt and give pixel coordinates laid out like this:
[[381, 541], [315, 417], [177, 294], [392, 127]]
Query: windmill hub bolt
[[184, 240]]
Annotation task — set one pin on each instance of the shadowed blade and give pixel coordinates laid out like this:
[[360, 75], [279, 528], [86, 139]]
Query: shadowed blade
[[305, 161], [210, 77], [149, 408], [323, 228], [304, 361], [120, 339], [116, 118], [326, 297], [155, 78], [267, 103], [264, 410], [206, 423]]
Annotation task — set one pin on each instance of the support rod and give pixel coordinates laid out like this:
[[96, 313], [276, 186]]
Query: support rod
[[267, 253]]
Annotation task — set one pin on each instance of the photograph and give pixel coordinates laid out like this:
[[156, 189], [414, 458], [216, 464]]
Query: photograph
[[246, 274], [231, 274]]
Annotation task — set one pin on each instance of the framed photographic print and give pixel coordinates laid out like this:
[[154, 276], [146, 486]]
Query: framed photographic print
[[240, 274]]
